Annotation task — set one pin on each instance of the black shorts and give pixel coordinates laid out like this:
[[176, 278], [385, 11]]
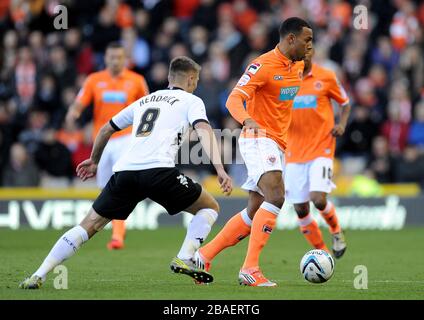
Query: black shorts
[[166, 186]]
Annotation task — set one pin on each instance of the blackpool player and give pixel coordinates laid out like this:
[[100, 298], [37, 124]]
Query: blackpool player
[[110, 90], [310, 152], [268, 87], [147, 170]]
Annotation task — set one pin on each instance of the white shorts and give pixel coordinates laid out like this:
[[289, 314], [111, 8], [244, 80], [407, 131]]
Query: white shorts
[[302, 178], [113, 150], [260, 155]]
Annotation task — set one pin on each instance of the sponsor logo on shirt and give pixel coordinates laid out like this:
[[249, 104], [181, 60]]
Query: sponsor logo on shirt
[[288, 93], [111, 96], [278, 77], [254, 67], [243, 80], [305, 102]]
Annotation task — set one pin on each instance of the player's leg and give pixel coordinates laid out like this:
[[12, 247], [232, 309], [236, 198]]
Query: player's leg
[[66, 247], [309, 227], [296, 180], [235, 230], [116, 201], [104, 172], [177, 192], [272, 186], [320, 175]]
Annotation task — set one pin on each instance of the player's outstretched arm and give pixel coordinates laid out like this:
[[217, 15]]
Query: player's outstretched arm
[[88, 168], [210, 145]]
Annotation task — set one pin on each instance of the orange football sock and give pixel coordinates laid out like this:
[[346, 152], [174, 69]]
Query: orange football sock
[[262, 226], [118, 230], [309, 228], [235, 230], [329, 214]]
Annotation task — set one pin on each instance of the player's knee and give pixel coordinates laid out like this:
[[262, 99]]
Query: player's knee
[[302, 210], [275, 196], [93, 223], [319, 200]]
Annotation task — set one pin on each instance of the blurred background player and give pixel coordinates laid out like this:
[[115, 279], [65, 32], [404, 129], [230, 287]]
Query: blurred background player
[[147, 170], [110, 90], [268, 87], [310, 151]]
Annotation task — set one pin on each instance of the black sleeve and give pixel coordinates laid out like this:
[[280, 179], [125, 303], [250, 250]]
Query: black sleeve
[[114, 126], [199, 120]]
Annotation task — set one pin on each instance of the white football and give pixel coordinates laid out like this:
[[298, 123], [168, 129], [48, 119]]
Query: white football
[[317, 266]]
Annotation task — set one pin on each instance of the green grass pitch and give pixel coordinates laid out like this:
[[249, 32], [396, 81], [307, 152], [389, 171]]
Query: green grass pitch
[[394, 260]]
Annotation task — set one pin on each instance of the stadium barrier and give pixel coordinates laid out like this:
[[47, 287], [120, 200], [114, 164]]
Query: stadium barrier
[[41, 209]]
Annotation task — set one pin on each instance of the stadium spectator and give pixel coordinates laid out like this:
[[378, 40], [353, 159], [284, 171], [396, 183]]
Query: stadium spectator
[[410, 166], [394, 129], [416, 133], [381, 163], [158, 76], [53, 157], [33, 134], [21, 170], [205, 15], [25, 77], [83, 149], [359, 133]]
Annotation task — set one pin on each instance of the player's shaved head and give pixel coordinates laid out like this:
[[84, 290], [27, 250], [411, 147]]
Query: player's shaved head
[[293, 25], [184, 72]]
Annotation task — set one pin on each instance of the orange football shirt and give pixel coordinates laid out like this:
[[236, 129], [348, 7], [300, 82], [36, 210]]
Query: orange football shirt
[[269, 86], [313, 117], [110, 95]]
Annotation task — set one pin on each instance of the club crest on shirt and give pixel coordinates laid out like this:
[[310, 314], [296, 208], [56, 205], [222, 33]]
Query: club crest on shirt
[[271, 159], [243, 80], [254, 67], [318, 85]]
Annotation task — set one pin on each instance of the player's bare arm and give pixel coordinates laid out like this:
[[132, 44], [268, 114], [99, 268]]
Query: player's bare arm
[[88, 168], [74, 112], [340, 127], [210, 145]]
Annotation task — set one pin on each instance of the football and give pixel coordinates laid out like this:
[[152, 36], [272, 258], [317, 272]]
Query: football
[[317, 266]]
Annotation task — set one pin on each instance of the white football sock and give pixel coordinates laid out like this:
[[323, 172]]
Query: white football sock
[[197, 231], [64, 248]]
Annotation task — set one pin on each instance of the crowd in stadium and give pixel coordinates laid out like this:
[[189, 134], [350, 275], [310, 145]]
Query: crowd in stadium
[[42, 69]]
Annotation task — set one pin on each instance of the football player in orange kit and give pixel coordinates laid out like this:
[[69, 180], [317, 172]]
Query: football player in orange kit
[[268, 87], [110, 90], [310, 152]]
